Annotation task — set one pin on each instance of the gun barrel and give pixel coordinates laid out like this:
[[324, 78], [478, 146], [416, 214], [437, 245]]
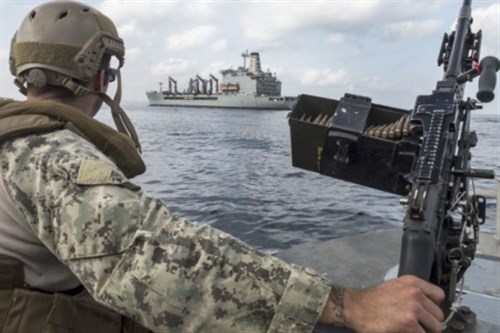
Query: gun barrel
[[463, 22]]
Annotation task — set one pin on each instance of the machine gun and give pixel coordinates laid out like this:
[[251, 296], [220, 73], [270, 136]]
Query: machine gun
[[422, 154]]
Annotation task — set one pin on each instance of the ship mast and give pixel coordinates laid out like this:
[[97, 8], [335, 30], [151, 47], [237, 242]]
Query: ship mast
[[245, 55]]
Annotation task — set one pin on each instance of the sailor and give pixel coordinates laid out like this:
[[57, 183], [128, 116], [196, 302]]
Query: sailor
[[83, 249]]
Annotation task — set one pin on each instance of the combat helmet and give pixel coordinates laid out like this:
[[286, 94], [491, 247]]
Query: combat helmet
[[63, 44]]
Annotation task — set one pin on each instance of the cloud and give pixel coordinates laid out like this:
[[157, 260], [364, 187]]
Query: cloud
[[4, 63], [273, 24], [200, 9], [199, 35], [323, 77], [271, 21], [321, 36], [409, 29], [213, 69], [336, 38], [128, 30], [122, 11], [172, 66], [140, 23], [152, 19], [133, 53], [218, 45], [486, 19], [3, 54]]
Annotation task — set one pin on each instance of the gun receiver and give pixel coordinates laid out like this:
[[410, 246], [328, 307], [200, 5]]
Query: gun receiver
[[423, 154]]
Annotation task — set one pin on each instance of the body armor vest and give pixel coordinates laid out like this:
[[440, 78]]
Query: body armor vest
[[22, 118], [23, 309]]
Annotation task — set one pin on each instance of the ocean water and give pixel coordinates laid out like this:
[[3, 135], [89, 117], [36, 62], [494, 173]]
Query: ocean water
[[232, 169]]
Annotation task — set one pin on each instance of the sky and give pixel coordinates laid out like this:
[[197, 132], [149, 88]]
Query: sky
[[386, 50]]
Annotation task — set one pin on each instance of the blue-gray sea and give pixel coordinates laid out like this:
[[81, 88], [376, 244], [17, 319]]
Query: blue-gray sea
[[232, 169]]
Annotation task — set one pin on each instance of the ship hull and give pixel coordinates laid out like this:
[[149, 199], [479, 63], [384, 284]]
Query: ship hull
[[235, 101]]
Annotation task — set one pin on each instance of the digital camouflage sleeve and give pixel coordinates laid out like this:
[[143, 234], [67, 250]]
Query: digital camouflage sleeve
[[134, 256]]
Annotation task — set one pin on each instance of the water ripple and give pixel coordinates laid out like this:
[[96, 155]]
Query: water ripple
[[232, 169]]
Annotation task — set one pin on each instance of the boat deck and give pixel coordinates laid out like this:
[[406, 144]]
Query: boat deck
[[365, 260]]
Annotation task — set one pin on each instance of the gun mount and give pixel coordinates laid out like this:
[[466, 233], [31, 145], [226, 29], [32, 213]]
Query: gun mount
[[422, 154]]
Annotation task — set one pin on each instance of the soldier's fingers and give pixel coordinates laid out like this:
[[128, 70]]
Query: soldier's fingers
[[435, 293]]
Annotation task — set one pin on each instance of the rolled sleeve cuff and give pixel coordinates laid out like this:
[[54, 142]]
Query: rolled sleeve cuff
[[302, 303]]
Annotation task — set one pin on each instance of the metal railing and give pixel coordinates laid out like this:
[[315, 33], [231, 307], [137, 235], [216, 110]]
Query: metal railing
[[496, 196]]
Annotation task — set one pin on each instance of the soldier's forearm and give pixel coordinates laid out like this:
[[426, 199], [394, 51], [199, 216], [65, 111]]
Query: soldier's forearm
[[191, 277], [334, 311]]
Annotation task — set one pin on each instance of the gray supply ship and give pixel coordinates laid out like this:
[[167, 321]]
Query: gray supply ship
[[243, 88]]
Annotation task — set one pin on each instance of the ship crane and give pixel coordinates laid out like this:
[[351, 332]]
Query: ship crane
[[174, 82], [216, 83], [203, 84], [192, 89]]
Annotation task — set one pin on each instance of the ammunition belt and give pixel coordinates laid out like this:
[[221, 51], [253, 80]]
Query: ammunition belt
[[392, 131]]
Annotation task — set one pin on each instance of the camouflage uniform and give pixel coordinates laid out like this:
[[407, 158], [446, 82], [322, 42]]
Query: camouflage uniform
[[134, 256]]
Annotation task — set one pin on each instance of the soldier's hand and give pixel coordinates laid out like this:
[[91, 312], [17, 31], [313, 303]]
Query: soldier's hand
[[405, 304]]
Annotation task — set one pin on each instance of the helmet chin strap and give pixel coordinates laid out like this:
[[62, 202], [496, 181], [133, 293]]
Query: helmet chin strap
[[120, 118], [122, 121]]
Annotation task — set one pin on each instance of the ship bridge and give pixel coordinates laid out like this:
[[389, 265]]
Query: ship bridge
[[251, 80]]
